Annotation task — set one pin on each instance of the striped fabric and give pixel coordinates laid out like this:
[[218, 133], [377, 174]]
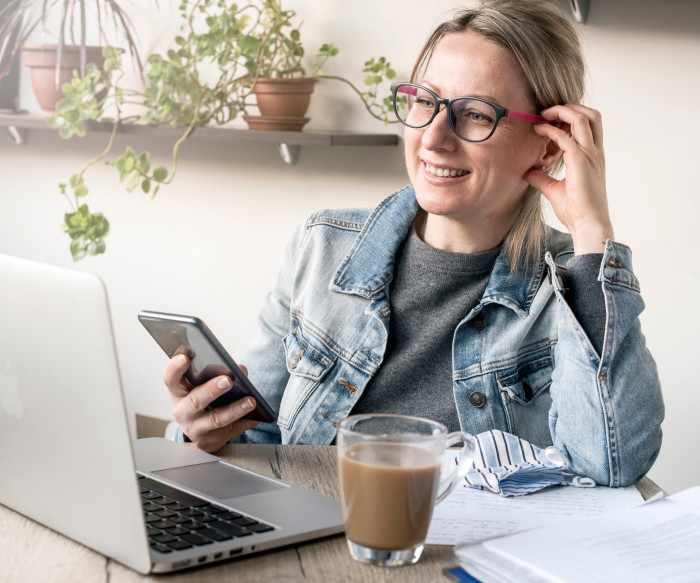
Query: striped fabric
[[510, 466]]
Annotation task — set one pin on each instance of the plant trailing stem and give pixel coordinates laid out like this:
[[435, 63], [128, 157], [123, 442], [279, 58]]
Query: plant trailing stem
[[356, 90]]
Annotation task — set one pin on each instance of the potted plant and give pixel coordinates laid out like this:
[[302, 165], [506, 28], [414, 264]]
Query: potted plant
[[52, 65], [209, 78], [273, 55]]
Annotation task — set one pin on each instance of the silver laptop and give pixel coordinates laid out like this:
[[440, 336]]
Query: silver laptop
[[68, 462]]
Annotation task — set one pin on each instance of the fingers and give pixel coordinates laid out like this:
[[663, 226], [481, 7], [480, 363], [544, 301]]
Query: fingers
[[213, 419], [585, 127], [212, 428], [579, 199], [202, 396], [208, 428], [173, 376]]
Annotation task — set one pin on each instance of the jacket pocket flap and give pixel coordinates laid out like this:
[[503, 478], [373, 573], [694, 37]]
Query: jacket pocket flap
[[303, 359], [526, 381]]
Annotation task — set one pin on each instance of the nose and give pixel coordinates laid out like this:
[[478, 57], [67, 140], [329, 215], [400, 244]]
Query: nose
[[438, 135]]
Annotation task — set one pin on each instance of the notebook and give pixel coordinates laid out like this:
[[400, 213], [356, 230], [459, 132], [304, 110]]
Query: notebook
[[67, 459]]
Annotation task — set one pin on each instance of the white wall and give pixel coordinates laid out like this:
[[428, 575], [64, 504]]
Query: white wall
[[210, 243]]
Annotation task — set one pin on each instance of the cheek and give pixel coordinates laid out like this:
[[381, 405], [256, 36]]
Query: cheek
[[516, 155], [411, 147]]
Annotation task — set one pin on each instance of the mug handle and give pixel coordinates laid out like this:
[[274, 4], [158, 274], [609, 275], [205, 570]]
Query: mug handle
[[466, 456]]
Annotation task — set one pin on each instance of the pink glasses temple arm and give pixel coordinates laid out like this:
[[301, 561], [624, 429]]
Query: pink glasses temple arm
[[528, 117]]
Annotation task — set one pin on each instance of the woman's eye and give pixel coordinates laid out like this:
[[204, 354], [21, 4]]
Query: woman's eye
[[477, 117], [425, 102]]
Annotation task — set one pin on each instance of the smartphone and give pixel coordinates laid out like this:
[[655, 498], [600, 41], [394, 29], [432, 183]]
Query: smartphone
[[190, 336]]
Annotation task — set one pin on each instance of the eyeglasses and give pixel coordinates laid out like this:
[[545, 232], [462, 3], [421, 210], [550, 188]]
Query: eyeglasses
[[471, 118]]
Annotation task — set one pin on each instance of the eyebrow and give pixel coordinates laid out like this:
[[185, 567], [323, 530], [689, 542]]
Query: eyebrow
[[432, 87]]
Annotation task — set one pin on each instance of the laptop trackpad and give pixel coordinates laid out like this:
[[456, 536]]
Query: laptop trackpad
[[219, 480]]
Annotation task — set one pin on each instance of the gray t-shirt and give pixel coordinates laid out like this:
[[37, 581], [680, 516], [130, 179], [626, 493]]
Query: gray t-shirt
[[431, 292]]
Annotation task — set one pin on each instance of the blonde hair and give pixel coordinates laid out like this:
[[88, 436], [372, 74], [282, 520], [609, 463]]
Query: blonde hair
[[547, 48]]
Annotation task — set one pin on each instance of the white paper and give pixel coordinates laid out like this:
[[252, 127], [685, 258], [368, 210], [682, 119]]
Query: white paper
[[471, 515], [651, 543], [489, 566]]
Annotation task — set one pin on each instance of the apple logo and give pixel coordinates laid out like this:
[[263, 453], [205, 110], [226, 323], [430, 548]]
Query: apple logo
[[9, 393]]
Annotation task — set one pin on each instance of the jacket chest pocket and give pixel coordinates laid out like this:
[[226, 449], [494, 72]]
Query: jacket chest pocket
[[525, 396], [307, 366]]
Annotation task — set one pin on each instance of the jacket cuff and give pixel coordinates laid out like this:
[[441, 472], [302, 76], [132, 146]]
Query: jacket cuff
[[180, 437], [616, 267]]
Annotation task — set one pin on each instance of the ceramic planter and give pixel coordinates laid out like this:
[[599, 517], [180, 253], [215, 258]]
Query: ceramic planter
[[282, 103], [41, 59]]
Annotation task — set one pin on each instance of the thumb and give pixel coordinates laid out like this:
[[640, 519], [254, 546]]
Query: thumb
[[541, 181]]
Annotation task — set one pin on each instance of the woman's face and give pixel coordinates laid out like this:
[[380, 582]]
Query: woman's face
[[489, 184]]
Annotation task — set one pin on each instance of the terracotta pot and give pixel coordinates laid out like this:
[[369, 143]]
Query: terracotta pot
[[41, 59], [282, 103]]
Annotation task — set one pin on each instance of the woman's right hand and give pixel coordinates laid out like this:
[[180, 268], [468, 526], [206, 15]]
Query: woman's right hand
[[209, 429]]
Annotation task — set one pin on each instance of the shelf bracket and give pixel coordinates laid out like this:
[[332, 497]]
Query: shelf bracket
[[289, 153], [18, 135]]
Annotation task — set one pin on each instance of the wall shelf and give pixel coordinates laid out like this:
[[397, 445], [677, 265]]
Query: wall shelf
[[289, 143]]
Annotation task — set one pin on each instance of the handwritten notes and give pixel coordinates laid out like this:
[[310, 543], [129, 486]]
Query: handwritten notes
[[469, 515]]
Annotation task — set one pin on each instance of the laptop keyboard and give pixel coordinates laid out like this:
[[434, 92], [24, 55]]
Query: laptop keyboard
[[178, 520]]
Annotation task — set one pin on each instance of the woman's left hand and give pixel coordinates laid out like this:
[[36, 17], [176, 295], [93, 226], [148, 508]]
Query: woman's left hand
[[579, 200]]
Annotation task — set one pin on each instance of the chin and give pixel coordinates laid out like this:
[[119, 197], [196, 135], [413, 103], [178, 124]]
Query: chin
[[441, 201], [439, 208]]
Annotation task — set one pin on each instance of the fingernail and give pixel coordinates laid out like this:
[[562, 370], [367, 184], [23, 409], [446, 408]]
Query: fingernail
[[182, 360], [224, 383], [247, 405]]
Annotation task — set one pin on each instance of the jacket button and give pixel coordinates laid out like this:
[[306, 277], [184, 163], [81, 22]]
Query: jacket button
[[478, 322], [477, 399], [294, 361]]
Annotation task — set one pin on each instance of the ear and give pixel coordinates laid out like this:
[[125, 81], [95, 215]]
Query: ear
[[552, 152]]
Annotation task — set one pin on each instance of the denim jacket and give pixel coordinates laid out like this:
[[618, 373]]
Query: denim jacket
[[521, 361]]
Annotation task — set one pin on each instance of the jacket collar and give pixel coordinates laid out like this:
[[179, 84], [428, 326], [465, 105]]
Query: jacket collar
[[514, 290], [369, 265]]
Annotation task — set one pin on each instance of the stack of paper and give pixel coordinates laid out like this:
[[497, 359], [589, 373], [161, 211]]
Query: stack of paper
[[657, 541]]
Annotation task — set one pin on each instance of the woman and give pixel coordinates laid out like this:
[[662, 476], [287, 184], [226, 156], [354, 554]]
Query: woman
[[451, 299]]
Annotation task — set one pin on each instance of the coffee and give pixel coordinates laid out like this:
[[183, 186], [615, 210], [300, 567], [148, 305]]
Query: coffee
[[388, 491]]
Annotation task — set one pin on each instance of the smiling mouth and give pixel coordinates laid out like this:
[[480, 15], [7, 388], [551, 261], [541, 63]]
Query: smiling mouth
[[445, 172]]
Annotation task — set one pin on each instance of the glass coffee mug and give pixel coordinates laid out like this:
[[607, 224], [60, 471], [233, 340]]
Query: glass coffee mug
[[389, 478]]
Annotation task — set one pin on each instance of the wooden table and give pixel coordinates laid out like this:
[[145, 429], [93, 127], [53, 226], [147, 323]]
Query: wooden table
[[31, 553]]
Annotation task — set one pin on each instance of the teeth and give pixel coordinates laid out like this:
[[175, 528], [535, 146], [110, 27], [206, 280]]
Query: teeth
[[445, 172]]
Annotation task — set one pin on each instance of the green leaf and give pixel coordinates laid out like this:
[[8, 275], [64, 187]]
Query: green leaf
[[160, 174], [99, 247], [144, 162], [101, 225], [78, 249]]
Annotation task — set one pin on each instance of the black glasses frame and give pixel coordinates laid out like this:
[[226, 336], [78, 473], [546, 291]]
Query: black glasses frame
[[501, 112]]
